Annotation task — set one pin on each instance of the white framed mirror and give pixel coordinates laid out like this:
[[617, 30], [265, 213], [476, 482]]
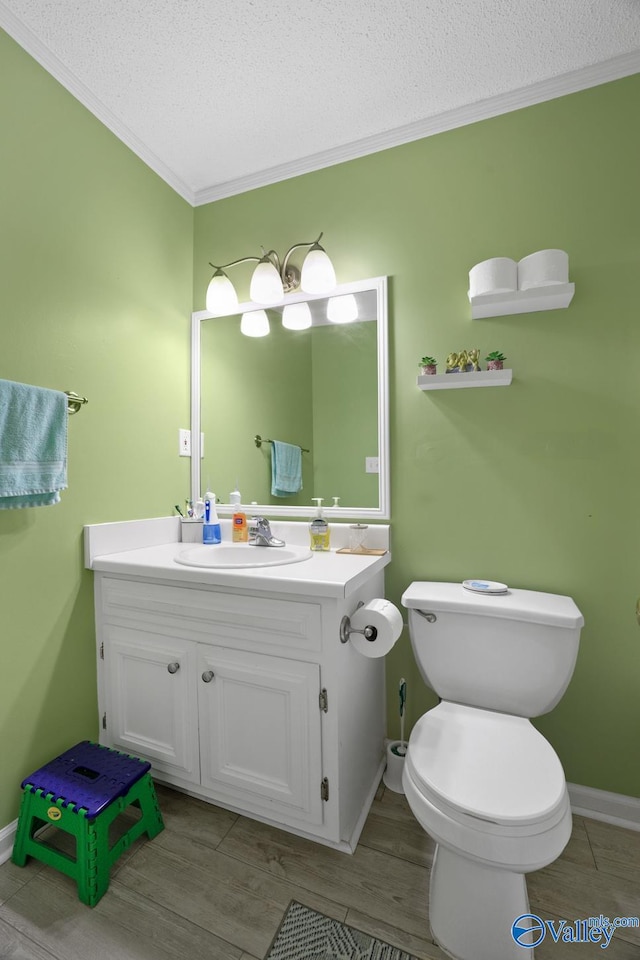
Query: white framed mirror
[[323, 388]]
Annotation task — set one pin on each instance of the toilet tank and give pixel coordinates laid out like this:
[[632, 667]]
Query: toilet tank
[[512, 652]]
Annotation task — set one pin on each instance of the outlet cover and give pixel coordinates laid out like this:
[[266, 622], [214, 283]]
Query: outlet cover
[[372, 465]]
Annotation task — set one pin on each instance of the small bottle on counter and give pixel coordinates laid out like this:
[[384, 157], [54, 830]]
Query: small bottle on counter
[[239, 526], [319, 536]]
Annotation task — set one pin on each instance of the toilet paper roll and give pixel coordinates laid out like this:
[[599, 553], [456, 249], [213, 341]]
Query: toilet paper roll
[[498, 275], [543, 268], [387, 623]]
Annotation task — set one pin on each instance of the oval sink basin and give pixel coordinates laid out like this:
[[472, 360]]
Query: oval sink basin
[[234, 556]]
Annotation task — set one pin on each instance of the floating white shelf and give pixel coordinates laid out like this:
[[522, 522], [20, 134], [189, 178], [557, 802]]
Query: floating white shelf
[[454, 381], [554, 297]]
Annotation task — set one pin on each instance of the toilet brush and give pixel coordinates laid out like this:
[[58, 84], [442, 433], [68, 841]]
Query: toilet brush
[[397, 749], [402, 691]]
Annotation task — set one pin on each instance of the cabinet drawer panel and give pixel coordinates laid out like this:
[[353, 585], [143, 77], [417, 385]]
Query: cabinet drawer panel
[[242, 621]]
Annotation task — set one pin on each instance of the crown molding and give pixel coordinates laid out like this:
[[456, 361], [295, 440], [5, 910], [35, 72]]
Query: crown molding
[[53, 65], [592, 76], [614, 69]]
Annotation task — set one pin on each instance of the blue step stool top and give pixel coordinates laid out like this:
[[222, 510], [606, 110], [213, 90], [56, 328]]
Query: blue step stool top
[[88, 776]]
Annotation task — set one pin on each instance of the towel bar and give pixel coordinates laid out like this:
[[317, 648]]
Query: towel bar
[[74, 401], [259, 441]]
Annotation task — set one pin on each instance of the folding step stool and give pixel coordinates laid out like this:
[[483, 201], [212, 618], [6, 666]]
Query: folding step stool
[[82, 792]]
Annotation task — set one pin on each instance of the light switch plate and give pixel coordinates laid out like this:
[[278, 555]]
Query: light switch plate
[[372, 464], [184, 440]]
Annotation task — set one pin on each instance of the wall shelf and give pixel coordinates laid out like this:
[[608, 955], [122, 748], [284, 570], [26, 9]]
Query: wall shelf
[[553, 297], [454, 381]]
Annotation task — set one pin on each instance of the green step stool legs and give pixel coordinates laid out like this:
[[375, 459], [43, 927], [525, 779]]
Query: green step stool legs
[[91, 867]]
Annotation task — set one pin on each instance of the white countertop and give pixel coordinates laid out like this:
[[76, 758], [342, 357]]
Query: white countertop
[[328, 574], [323, 574]]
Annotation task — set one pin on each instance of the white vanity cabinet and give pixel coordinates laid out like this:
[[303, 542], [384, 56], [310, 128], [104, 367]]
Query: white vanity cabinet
[[245, 698]]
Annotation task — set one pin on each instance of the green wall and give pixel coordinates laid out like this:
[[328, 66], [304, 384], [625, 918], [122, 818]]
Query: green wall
[[534, 484], [95, 287]]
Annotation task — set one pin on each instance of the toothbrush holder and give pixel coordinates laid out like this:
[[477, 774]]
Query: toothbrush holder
[[191, 529]]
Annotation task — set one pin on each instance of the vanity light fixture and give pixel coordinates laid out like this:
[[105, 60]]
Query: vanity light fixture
[[273, 278], [255, 323], [296, 316], [342, 309]]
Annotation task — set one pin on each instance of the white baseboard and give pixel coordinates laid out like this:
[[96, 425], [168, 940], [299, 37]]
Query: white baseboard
[[7, 836], [601, 805]]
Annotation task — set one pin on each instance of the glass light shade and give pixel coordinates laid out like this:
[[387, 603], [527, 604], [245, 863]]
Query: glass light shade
[[255, 323], [221, 295], [296, 316], [342, 309], [266, 285], [318, 275]]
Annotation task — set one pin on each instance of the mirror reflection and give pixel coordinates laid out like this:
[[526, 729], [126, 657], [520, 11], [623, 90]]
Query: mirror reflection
[[310, 374]]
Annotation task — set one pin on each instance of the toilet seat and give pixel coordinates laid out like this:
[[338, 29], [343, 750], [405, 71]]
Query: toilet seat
[[490, 771]]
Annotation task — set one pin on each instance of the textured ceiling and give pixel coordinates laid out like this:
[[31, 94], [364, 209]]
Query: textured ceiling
[[218, 97]]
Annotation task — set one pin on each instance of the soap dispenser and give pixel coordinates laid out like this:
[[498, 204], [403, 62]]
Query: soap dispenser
[[319, 528]]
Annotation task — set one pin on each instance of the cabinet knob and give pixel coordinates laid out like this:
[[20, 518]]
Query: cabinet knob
[[208, 676], [173, 667]]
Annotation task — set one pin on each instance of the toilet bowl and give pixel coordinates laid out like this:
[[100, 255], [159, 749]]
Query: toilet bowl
[[484, 783], [491, 792]]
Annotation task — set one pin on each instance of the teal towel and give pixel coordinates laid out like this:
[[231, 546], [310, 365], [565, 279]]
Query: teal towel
[[33, 445], [286, 469]]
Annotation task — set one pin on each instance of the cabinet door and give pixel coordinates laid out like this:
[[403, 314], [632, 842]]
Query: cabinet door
[[260, 732], [151, 699]]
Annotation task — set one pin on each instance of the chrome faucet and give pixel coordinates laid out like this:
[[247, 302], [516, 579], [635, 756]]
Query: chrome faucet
[[260, 534]]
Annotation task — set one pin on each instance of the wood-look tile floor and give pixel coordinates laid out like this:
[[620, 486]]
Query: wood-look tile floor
[[214, 886]]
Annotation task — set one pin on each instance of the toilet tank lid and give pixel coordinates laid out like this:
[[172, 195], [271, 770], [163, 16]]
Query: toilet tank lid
[[529, 605]]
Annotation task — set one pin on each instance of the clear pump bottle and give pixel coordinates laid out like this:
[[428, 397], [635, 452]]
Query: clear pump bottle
[[319, 536]]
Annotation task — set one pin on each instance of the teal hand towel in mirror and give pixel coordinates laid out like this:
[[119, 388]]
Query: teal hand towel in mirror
[[33, 445], [286, 469]]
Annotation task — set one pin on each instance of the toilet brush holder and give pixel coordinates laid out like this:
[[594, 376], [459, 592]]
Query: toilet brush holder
[[392, 776]]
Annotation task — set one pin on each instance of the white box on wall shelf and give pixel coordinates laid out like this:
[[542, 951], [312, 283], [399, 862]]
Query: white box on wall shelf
[[556, 296]]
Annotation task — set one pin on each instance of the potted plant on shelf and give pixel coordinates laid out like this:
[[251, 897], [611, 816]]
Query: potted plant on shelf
[[428, 366], [495, 360]]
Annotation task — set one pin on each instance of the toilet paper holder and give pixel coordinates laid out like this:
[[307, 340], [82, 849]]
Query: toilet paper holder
[[369, 632]]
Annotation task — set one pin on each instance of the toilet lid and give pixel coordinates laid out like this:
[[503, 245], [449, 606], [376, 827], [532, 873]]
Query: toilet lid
[[485, 764]]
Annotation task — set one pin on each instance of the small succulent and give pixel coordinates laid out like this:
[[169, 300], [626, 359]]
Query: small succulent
[[428, 362], [495, 355]]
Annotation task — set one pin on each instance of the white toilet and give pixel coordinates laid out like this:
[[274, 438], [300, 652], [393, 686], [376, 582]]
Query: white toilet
[[478, 776]]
